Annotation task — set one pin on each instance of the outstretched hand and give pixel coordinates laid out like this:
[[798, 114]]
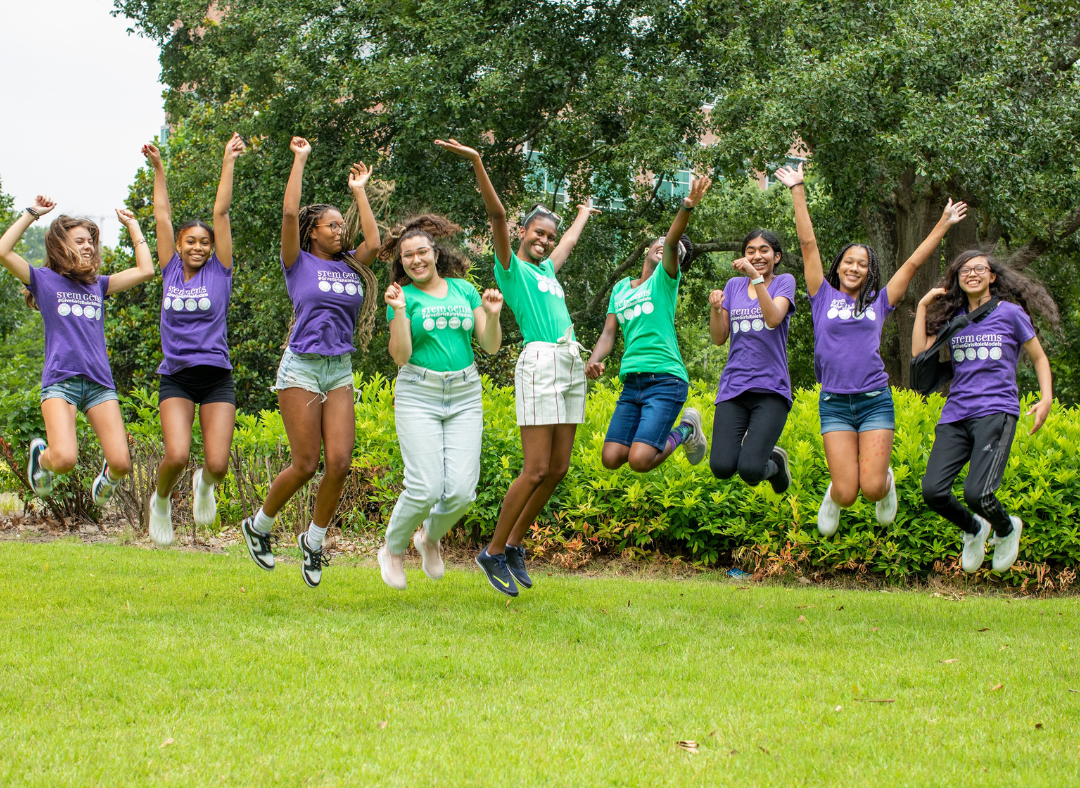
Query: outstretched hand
[[1040, 410], [790, 176], [716, 299], [359, 175], [953, 213], [235, 146], [458, 149], [587, 207], [300, 147], [152, 154], [127, 218], [698, 187], [394, 296], [594, 369], [492, 301], [42, 204]]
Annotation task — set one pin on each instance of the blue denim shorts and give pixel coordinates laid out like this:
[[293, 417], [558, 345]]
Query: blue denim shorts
[[80, 392], [872, 410], [314, 373], [647, 409]]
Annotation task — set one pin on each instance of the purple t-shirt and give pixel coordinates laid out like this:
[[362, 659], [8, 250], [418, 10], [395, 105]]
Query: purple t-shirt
[[847, 359], [74, 327], [984, 358], [193, 313], [757, 356], [326, 297]]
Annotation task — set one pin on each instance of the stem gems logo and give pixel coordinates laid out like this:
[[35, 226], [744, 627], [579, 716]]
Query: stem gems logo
[[78, 305]]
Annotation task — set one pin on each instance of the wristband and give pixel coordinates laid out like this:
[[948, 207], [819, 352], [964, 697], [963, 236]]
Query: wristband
[[33, 213], [758, 281], [686, 207]]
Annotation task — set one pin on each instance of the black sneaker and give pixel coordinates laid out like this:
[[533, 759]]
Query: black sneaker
[[311, 568], [498, 575], [781, 480], [41, 480], [103, 487], [515, 562], [260, 546]]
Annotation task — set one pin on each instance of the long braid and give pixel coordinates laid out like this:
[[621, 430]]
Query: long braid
[[869, 290]]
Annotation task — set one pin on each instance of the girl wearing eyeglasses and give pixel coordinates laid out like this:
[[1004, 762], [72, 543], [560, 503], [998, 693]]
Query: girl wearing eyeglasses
[[314, 379], [434, 315], [978, 421], [549, 381], [848, 305]]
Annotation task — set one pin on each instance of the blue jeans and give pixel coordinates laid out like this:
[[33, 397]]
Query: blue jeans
[[440, 427], [872, 410], [312, 372], [647, 409], [80, 392]]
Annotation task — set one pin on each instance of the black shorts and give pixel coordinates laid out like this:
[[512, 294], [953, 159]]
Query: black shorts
[[202, 384]]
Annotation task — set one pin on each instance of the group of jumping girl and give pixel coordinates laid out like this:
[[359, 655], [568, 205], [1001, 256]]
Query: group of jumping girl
[[435, 314]]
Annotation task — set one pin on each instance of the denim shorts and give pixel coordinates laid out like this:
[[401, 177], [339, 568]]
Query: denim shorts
[[647, 409], [80, 392], [314, 373], [872, 410]]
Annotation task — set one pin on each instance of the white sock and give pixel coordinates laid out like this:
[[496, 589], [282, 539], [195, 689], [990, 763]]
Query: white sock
[[161, 505], [315, 536], [203, 489], [263, 524]]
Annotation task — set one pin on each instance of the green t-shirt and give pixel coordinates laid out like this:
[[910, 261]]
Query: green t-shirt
[[647, 316], [441, 327], [536, 297]]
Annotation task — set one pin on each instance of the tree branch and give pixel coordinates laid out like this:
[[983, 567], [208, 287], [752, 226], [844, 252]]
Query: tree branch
[[1030, 251]]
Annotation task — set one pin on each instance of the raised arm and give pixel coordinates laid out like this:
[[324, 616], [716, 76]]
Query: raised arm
[[793, 179], [400, 327], [773, 310], [1041, 409], [13, 262], [359, 175], [486, 326], [143, 270], [698, 187], [561, 253], [921, 340], [222, 228], [719, 318], [898, 285], [500, 230], [594, 367], [290, 213], [166, 240]]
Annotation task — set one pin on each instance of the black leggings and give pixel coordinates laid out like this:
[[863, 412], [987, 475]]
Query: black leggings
[[745, 431], [985, 443]]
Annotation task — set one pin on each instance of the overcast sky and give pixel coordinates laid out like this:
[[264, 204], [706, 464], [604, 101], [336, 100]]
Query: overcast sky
[[80, 97]]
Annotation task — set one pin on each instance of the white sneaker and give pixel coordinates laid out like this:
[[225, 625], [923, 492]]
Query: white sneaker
[[393, 568], [203, 505], [695, 446], [885, 509], [1006, 548], [828, 515], [975, 547], [104, 486], [161, 527], [430, 555]]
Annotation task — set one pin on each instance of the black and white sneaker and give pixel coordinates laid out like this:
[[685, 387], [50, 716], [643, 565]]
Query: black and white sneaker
[[41, 480], [515, 563], [782, 479], [104, 486], [260, 546], [311, 568], [498, 575]]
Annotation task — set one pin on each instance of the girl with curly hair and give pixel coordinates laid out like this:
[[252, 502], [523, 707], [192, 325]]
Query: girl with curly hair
[[848, 305], [314, 379], [978, 421], [434, 315]]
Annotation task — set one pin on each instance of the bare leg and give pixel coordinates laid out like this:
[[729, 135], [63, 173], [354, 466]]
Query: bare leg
[[63, 451], [177, 416], [562, 447], [644, 458], [614, 455], [108, 424], [301, 411], [218, 420], [842, 457], [875, 453], [536, 442], [339, 435]]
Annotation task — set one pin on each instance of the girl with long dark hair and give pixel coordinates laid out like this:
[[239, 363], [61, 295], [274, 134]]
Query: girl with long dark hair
[[70, 294], [434, 315], [196, 270], [978, 422], [849, 304], [643, 429], [314, 380], [549, 381]]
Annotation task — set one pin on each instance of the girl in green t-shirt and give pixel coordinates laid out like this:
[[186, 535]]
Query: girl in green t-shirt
[[549, 380], [434, 315]]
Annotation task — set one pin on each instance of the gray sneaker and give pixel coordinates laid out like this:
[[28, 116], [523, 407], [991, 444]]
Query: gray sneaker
[[695, 446], [41, 480], [975, 547], [1006, 548]]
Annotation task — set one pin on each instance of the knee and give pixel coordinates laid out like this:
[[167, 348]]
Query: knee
[[978, 502], [875, 491], [614, 458], [533, 476], [751, 474], [62, 462], [174, 459], [459, 498], [556, 471], [120, 468], [722, 467], [642, 460], [216, 468], [306, 466], [844, 495], [337, 466], [934, 492]]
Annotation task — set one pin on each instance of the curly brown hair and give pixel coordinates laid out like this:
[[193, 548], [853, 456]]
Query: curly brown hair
[[451, 262], [62, 256]]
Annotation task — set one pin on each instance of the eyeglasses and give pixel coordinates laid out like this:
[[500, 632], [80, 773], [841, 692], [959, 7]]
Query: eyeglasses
[[540, 209], [421, 252], [334, 227], [979, 270]]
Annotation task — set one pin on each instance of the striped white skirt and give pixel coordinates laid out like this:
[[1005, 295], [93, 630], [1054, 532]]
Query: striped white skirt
[[549, 384]]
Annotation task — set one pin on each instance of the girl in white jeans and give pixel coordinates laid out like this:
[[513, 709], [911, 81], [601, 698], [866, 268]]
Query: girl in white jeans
[[434, 314]]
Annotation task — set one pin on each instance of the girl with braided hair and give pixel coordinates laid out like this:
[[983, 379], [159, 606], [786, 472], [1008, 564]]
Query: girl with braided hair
[[848, 306], [549, 380], [643, 430], [434, 315], [314, 379], [978, 421]]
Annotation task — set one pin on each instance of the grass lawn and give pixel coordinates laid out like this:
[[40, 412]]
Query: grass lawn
[[123, 666]]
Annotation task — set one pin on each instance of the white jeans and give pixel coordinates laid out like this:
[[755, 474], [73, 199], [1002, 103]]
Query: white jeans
[[440, 426]]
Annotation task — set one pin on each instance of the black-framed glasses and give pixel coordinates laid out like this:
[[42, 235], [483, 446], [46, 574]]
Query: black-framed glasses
[[978, 270], [335, 227]]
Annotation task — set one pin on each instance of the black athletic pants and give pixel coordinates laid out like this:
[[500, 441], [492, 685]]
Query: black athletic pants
[[985, 443], [745, 431]]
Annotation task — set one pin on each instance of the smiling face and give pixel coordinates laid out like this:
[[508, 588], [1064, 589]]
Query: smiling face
[[194, 247], [84, 242], [762, 256], [975, 277], [326, 235], [538, 239], [853, 270], [418, 258]]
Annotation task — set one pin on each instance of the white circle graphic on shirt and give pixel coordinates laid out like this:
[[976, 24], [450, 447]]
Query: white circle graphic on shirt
[[429, 325], [735, 327], [64, 310], [647, 308], [995, 353], [350, 288], [76, 310], [832, 313], [860, 316], [744, 325], [166, 304], [559, 291], [191, 305], [970, 353], [204, 304], [178, 304], [870, 313], [338, 287], [543, 285], [467, 324], [758, 325], [637, 310], [620, 316], [440, 323], [324, 286], [90, 312], [628, 314], [455, 322], [983, 353], [958, 354], [844, 313]]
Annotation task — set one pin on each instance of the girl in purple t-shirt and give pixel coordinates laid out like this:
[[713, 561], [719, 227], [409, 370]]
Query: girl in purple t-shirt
[[848, 306], [314, 380], [979, 419], [196, 271], [70, 294]]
